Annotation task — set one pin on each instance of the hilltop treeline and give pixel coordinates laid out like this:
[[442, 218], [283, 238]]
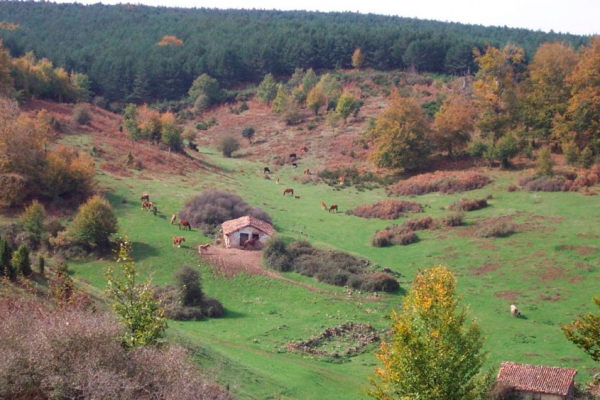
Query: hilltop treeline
[[134, 52]]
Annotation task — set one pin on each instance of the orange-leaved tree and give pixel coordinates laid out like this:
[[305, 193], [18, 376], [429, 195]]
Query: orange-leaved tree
[[454, 123], [434, 353], [401, 135]]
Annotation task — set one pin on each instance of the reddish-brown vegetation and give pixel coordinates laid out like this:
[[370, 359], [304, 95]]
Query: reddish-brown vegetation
[[468, 204], [387, 209], [441, 181]]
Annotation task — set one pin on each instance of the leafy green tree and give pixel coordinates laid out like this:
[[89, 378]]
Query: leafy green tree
[[435, 353], [544, 162], [332, 120], [401, 135], [20, 261], [505, 150], [332, 88], [190, 287], [130, 122], [358, 59], [82, 114], [267, 90], [228, 145], [82, 87], [584, 332], [207, 87], [6, 268], [94, 223], [345, 105], [586, 157], [170, 132], [315, 99], [281, 100], [248, 133], [309, 80], [32, 219], [142, 315]]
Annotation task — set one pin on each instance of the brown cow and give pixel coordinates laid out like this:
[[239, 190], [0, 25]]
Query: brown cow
[[306, 171], [288, 190], [177, 240], [145, 197], [173, 219], [323, 205], [203, 247], [146, 205], [342, 179], [304, 149], [185, 224], [333, 207]]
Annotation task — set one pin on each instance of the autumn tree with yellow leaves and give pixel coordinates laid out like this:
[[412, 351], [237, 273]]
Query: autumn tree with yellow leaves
[[454, 123], [434, 353], [401, 135]]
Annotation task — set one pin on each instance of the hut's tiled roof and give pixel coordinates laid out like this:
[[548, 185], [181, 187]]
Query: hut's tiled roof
[[248, 220], [536, 378]]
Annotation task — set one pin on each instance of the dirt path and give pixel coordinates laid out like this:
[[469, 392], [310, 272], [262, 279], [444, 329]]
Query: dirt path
[[231, 262]]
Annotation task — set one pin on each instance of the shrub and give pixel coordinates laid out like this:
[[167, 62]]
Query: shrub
[[32, 220], [94, 223], [73, 353], [212, 308], [21, 262], [248, 133], [213, 207], [6, 252], [496, 229], [380, 282], [544, 163], [275, 255], [418, 224], [188, 281], [387, 209], [443, 182], [82, 114], [543, 184], [394, 235], [468, 204], [228, 145], [382, 238], [454, 219]]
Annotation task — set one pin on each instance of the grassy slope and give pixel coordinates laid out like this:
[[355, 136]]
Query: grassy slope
[[246, 348]]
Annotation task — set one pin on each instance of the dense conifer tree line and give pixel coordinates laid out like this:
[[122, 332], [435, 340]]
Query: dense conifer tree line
[[138, 53]]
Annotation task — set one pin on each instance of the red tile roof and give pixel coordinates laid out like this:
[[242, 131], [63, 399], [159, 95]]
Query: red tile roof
[[536, 378], [248, 220]]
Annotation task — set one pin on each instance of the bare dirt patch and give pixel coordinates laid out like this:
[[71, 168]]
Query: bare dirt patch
[[509, 295], [552, 273], [576, 279], [550, 297], [486, 269]]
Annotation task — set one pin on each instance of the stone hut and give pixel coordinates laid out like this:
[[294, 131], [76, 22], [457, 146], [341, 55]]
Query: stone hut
[[237, 231], [538, 382]]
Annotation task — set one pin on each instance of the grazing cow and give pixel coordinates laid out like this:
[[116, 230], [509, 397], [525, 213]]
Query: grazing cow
[[277, 181], [145, 197], [514, 311], [323, 205], [203, 247], [296, 197], [173, 219], [304, 149], [293, 155], [266, 170], [342, 179], [306, 171], [294, 165], [333, 207], [154, 210], [146, 205], [177, 240], [185, 224], [288, 190], [250, 242]]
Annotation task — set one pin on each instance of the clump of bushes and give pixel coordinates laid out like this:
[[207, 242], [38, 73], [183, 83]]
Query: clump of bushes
[[228, 145], [187, 301], [331, 267], [442, 182], [394, 235], [213, 207], [352, 177], [543, 184], [66, 352], [468, 204], [453, 219], [82, 114], [496, 229], [387, 209], [418, 224]]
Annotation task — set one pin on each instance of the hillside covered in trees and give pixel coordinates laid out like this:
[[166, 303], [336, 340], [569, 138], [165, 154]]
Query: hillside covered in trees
[[155, 53]]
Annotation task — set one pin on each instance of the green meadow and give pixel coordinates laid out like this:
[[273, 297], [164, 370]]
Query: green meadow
[[548, 268]]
